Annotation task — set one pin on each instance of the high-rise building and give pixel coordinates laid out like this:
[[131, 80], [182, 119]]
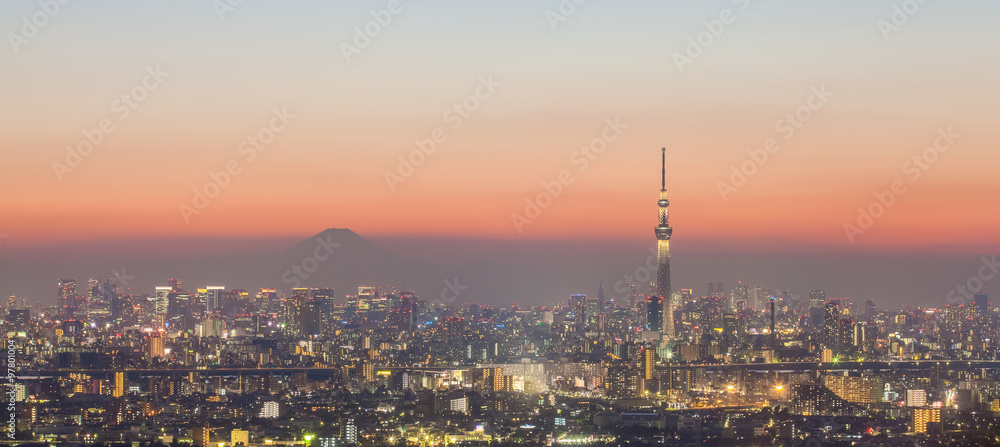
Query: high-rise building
[[119, 389], [68, 303], [663, 232], [295, 308], [178, 307], [982, 301], [758, 296], [817, 298], [647, 357], [101, 297], [119, 305], [18, 318], [740, 293], [870, 310], [773, 330], [401, 315], [812, 399], [312, 317], [845, 343], [927, 420], [454, 330], [916, 398], [858, 389], [730, 330], [213, 297], [237, 437], [715, 289], [270, 410], [366, 296], [350, 431], [578, 303], [176, 285], [323, 297], [162, 300], [861, 337], [618, 384], [93, 290], [263, 301], [831, 325], [594, 309], [965, 398], [155, 345], [458, 402], [654, 313], [200, 436]]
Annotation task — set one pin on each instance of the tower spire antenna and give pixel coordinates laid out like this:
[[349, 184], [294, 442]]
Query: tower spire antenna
[[663, 176]]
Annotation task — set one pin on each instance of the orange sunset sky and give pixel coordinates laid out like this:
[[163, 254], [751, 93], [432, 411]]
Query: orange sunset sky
[[354, 118]]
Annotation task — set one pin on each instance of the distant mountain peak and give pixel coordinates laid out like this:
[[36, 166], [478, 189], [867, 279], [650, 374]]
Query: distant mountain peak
[[344, 238], [338, 230]]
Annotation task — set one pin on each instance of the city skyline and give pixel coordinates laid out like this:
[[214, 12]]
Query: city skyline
[[394, 223]]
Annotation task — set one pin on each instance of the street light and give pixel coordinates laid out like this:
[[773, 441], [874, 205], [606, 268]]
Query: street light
[[777, 391]]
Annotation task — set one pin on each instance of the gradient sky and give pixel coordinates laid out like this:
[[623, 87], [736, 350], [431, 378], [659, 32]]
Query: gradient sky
[[609, 59]]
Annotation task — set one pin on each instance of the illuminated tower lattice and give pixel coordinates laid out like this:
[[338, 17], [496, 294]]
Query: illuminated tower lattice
[[663, 232]]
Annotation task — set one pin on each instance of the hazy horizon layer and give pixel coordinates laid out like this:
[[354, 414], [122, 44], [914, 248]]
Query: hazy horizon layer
[[498, 272]]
